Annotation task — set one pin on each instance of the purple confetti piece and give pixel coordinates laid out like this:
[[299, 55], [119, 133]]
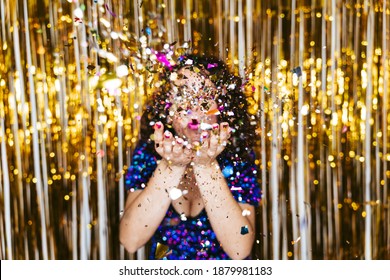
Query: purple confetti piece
[[168, 105], [108, 9], [211, 65], [161, 57]]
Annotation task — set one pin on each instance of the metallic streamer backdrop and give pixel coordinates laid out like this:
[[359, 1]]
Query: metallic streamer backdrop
[[74, 78]]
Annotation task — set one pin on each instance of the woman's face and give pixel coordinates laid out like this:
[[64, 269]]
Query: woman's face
[[193, 107]]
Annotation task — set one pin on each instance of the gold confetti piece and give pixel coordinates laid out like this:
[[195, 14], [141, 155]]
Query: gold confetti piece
[[213, 112], [161, 251]]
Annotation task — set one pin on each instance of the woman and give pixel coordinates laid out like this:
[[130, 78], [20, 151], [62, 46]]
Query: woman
[[192, 187]]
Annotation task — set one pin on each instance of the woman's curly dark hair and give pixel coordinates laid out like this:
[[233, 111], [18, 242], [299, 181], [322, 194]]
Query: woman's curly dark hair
[[232, 103]]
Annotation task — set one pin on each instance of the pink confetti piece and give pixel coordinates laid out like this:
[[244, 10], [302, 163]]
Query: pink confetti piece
[[100, 153]]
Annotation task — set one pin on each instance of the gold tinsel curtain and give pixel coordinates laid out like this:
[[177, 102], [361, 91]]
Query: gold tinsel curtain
[[74, 77]]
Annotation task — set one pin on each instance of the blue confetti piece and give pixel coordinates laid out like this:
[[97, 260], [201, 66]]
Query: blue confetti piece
[[298, 71], [148, 30], [244, 230], [227, 171]]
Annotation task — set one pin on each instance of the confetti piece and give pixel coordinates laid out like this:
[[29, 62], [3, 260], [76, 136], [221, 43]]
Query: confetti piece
[[246, 212], [296, 241], [298, 71], [173, 76], [100, 153], [211, 65], [108, 9], [161, 57], [213, 112], [175, 193], [244, 230], [148, 30], [161, 251], [227, 171], [206, 126]]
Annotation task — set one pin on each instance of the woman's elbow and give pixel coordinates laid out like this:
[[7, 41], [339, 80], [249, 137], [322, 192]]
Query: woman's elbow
[[131, 246], [240, 254], [128, 240], [242, 251]]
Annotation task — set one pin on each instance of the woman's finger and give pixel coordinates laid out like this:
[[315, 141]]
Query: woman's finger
[[167, 144], [224, 132], [188, 150], [214, 139], [158, 132], [158, 138], [224, 135], [178, 147]]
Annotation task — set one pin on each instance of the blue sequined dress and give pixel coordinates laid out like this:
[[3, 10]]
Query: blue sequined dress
[[193, 238]]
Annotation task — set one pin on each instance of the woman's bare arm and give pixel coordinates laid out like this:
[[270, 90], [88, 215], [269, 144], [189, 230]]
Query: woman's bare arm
[[224, 212], [234, 227], [145, 209]]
